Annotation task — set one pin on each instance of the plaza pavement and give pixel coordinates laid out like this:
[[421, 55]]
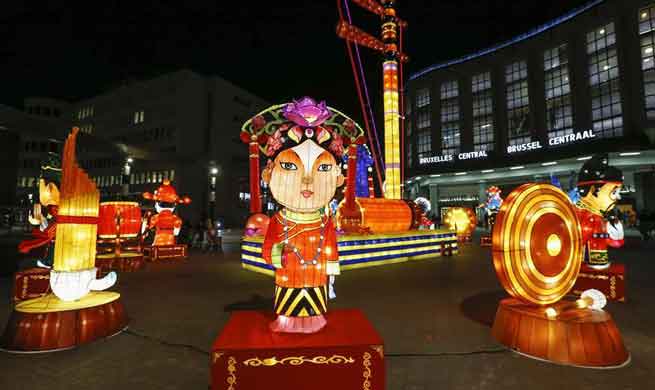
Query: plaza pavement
[[434, 316]]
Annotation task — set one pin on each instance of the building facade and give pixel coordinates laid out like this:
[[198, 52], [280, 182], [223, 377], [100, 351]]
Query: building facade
[[536, 107], [181, 126], [30, 134]]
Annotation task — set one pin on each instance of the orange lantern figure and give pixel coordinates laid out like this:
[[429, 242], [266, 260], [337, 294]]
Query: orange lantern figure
[[304, 141], [537, 249], [462, 220], [598, 186], [166, 224]]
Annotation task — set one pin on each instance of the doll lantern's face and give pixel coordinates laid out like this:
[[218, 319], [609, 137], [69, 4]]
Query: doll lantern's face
[[48, 193], [304, 178], [606, 197]]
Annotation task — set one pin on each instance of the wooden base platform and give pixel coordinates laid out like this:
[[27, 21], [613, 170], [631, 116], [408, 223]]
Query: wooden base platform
[[575, 337], [48, 324], [347, 354], [167, 252], [125, 262], [368, 250]]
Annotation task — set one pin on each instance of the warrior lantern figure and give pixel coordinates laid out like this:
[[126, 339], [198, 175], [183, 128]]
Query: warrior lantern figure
[[304, 142], [598, 189]]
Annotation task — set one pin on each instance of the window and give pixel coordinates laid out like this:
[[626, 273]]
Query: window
[[450, 126], [138, 117], [423, 132], [559, 111], [606, 111], [85, 112], [518, 103], [422, 97], [483, 120], [647, 39]]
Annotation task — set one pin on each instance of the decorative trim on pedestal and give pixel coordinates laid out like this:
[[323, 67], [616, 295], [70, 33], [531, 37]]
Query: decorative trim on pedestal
[[366, 361], [298, 360], [379, 349], [231, 373], [217, 355]]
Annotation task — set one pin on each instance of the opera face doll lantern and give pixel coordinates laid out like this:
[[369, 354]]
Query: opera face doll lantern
[[598, 189], [166, 224], [44, 214], [304, 142]]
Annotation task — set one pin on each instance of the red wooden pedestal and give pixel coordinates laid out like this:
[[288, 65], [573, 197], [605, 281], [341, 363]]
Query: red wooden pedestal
[[164, 252], [347, 354], [610, 281], [57, 330], [31, 283], [578, 337], [126, 262], [35, 282]]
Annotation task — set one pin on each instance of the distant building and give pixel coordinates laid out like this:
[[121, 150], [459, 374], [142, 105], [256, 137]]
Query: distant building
[[180, 126], [29, 136], [539, 105]]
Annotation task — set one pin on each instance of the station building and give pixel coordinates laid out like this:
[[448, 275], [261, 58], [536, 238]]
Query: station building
[[536, 107]]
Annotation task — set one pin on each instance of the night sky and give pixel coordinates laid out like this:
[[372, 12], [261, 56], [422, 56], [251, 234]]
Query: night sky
[[286, 50]]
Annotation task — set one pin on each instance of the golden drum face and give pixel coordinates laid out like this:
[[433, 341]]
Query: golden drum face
[[461, 219], [537, 244]]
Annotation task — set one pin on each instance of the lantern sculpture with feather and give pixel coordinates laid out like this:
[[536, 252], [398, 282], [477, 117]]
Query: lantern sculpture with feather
[[166, 224], [77, 311], [303, 141], [537, 247]]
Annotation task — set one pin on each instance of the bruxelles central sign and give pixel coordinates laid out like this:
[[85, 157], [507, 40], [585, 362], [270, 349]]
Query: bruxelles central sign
[[451, 157]]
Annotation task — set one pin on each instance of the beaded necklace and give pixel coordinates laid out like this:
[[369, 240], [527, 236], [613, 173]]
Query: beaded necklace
[[295, 250]]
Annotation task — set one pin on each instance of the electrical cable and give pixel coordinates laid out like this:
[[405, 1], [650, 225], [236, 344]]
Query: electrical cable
[[359, 94], [166, 343], [388, 355], [368, 99]]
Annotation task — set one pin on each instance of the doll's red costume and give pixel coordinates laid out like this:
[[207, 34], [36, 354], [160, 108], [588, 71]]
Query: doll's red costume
[[42, 237], [595, 237], [301, 277], [165, 223]]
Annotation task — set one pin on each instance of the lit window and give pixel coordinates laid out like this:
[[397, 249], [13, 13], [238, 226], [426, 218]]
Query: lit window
[[559, 110], [518, 103], [422, 97], [450, 124], [483, 120], [647, 39], [423, 131], [139, 117], [606, 111]]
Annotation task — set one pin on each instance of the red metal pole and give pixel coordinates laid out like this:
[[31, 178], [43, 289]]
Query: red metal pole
[[255, 194]]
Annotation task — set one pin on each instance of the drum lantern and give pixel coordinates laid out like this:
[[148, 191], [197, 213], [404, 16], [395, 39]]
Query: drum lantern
[[119, 220], [462, 220], [536, 244]]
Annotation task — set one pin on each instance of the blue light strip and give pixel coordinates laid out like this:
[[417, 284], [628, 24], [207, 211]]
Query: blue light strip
[[575, 12], [386, 257]]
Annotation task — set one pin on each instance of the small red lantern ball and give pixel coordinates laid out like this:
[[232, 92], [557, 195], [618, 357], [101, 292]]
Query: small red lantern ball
[[257, 225]]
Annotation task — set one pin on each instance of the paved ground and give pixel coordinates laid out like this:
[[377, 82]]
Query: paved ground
[[438, 311]]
